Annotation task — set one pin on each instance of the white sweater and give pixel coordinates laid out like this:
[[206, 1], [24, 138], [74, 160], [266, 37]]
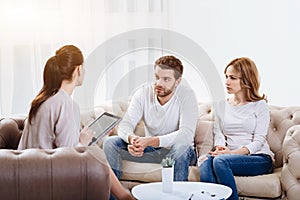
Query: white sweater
[[243, 126], [173, 122]]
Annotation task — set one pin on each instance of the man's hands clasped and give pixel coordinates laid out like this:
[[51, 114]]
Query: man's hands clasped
[[134, 147], [138, 144]]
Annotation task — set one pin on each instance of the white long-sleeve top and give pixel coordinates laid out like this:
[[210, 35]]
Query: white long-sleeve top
[[56, 124], [173, 122], [242, 126]]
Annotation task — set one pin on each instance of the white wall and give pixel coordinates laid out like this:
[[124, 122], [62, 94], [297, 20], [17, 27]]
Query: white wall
[[32, 30], [266, 31]]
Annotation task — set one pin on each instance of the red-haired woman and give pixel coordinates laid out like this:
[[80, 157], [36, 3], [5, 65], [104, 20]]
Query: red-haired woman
[[240, 128]]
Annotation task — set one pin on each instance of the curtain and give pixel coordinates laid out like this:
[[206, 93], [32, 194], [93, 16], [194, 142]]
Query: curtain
[[31, 31]]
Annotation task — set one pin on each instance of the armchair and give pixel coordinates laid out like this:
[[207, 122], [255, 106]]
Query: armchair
[[63, 173]]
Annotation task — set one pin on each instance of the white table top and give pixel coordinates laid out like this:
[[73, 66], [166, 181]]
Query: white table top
[[182, 190]]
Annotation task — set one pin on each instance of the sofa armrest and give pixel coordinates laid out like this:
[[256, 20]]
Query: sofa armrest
[[11, 131], [290, 174], [62, 173]]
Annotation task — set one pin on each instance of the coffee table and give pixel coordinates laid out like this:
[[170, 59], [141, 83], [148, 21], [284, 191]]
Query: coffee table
[[182, 190]]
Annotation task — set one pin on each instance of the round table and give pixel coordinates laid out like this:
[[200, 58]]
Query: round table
[[182, 190]]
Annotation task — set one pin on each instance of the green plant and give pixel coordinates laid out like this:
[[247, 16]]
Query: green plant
[[167, 162]]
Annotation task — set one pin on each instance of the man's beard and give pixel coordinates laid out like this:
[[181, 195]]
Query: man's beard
[[163, 92]]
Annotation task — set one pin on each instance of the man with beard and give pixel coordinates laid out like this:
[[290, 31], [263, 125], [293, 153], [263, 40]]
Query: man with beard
[[169, 111]]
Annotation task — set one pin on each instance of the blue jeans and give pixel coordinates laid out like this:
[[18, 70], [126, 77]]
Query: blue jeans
[[116, 151], [222, 169]]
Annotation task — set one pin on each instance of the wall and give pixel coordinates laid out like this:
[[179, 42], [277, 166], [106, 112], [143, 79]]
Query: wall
[[32, 30], [265, 30]]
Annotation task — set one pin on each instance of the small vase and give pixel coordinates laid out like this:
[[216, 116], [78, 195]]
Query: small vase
[[167, 174]]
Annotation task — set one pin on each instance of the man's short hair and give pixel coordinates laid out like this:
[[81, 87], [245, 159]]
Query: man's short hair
[[170, 62]]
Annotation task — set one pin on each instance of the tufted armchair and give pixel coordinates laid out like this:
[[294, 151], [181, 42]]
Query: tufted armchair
[[283, 137], [63, 173]]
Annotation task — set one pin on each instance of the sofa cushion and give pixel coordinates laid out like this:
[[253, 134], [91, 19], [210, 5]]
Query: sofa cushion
[[204, 139], [150, 172], [143, 172], [267, 186]]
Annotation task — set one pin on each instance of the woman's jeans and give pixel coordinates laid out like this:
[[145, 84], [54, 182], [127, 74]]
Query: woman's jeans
[[222, 169], [116, 151]]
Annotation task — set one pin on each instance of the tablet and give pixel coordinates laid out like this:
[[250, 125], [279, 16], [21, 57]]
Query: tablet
[[102, 125]]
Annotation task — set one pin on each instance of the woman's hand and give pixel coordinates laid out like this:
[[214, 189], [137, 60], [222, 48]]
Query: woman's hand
[[86, 136], [111, 132], [225, 150], [220, 150]]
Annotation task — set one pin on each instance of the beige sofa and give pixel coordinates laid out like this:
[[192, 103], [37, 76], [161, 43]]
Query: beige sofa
[[283, 137]]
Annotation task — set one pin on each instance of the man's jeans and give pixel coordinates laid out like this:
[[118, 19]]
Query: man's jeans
[[116, 151], [222, 169]]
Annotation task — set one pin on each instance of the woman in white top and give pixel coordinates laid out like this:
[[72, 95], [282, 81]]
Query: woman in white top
[[240, 129], [54, 118]]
